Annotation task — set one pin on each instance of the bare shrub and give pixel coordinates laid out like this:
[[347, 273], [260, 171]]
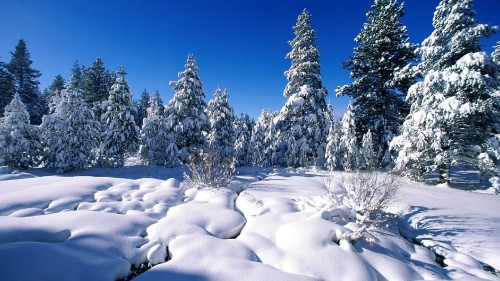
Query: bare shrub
[[367, 194], [209, 169]]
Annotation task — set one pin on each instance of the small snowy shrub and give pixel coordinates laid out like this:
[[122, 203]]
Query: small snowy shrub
[[366, 195], [209, 169]]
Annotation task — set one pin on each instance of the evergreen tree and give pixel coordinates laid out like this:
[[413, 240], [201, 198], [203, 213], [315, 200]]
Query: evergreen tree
[[242, 145], [221, 117], [334, 152], [456, 33], [262, 140], [348, 141], [454, 114], [367, 154], [7, 89], [55, 88], [121, 134], [77, 76], [303, 115], [19, 144], [496, 54], [96, 84], [456, 106], [26, 82], [71, 132], [157, 141], [142, 107], [186, 110], [380, 85]]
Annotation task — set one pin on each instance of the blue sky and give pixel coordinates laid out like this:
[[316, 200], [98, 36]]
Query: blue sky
[[240, 45]]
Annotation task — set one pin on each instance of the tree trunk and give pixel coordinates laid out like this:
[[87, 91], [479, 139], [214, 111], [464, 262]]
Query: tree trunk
[[444, 173]]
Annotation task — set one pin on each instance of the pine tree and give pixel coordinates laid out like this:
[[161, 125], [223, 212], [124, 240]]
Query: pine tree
[[54, 90], [456, 106], [496, 53], [7, 89], [348, 141], [379, 88], [242, 145], [262, 140], [186, 110], [121, 134], [142, 107], [26, 82], [157, 141], [96, 85], [456, 33], [367, 153], [77, 76], [19, 143], [334, 153], [455, 110], [221, 117], [302, 117], [71, 132]]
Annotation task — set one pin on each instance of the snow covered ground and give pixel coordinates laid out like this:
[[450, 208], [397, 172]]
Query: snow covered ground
[[267, 225]]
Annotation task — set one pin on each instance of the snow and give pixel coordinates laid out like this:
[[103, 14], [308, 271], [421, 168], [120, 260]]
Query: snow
[[266, 225]]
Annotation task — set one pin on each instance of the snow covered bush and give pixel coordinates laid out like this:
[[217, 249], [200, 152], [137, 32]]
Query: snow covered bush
[[209, 169], [363, 199]]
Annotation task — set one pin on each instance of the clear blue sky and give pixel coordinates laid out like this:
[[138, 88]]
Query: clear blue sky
[[240, 45]]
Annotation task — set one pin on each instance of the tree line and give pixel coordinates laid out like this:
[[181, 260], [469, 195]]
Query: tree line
[[416, 108]]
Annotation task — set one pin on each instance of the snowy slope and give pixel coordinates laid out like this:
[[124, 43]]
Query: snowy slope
[[469, 221], [268, 225]]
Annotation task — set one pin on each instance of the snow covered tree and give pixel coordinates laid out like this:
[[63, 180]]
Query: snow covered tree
[[496, 53], [57, 85], [7, 89], [77, 76], [263, 140], [186, 110], [334, 153], [121, 134], [348, 141], [380, 86], [366, 153], [456, 33], [19, 143], [453, 116], [242, 145], [454, 109], [303, 115], [55, 88], [71, 132], [96, 85], [221, 116], [142, 107], [26, 82], [157, 140]]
